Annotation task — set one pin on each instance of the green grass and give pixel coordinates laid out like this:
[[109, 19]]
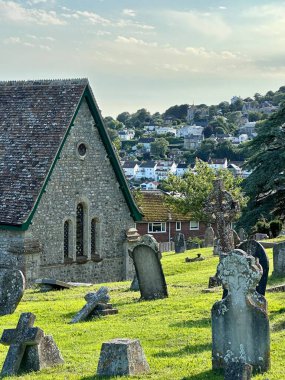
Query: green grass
[[175, 332]]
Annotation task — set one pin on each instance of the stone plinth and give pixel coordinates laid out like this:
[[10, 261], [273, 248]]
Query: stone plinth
[[121, 357]]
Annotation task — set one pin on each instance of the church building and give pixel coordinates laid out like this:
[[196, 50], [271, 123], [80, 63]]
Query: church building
[[65, 205]]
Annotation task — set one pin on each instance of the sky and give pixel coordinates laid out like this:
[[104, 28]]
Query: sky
[[149, 54]]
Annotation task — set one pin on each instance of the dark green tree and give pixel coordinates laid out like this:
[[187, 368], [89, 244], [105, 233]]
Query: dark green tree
[[158, 148], [265, 186]]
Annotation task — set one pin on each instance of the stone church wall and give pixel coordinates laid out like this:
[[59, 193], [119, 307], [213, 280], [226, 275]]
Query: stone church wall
[[91, 181]]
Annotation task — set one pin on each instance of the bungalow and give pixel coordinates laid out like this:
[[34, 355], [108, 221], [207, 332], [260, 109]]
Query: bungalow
[[163, 223]]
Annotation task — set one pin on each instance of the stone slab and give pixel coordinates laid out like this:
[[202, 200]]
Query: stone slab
[[122, 357], [279, 259], [48, 284]]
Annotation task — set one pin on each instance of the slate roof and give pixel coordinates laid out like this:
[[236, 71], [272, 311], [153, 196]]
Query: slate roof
[[34, 118], [130, 164], [154, 209], [148, 164]]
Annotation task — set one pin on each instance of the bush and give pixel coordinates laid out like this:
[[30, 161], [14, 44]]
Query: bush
[[262, 226], [275, 227]]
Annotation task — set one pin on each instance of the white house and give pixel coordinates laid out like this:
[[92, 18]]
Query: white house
[[126, 134], [130, 168], [187, 130], [147, 170], [218, 163], [181, 169], [145, 142], [149, 185], [165, 130]]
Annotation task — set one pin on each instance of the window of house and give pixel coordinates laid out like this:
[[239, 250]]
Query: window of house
[[194, 225], [80, 230], [66, 239], [178, 226], [156, 227]]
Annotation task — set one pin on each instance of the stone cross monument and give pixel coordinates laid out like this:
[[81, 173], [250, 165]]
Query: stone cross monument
[[222, 209]]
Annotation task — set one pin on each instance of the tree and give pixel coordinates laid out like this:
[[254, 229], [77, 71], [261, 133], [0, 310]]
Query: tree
[[189, 194], [159, 147], [265, 186], [206, 149], [177, 112], [123, 117]]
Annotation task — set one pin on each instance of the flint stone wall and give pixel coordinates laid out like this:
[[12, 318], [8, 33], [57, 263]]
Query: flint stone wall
[[90, 180]]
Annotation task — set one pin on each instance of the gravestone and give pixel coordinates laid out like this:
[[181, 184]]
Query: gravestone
[[279, 259], [30, 349], [260, 236], [242, 234], [217, 248], [135, 284], [255, 249], [209, 237], [48, 284], [121, 357], [222, 209], [12, 286], [240, 324], [146, 257], [179, 243], [95, 306], [238, 371]]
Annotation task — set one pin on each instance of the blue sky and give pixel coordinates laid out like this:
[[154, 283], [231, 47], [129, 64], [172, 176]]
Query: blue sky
[[151, 54]]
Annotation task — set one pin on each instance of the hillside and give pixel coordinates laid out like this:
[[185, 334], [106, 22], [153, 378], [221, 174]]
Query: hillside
[[175, 332]]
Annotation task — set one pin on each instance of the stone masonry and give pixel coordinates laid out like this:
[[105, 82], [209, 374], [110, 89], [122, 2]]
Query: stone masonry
[[91, 181]]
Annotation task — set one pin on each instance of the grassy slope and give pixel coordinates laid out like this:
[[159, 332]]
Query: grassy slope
[[175, 332]]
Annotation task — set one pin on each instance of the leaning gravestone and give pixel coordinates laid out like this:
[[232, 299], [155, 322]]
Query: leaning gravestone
[[179, 243], [121, 357], [30, 349], [279, 259], [96, 305], [12, 286], [255, 249], [146, 257], [240, 324], [209, 237]]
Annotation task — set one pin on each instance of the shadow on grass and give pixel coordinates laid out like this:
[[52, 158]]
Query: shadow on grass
[[187, 350], [278, 326], [275, 280], [213, 375], [203, 322]]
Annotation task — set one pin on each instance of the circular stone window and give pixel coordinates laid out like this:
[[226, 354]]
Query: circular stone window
[[82, 150]]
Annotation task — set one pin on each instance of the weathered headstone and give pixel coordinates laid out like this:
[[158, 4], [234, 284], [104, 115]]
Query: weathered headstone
[[222, 209], [279, 259], [48, 284], [179, 243], [92, 299], [240, 325], [238, 371], [121, 357], [30, 349], [242, 234], [209, 237], [217, 248], [192, 244], [146, 257], [260, 236], [255, 249], [135, 287], [12, 286]]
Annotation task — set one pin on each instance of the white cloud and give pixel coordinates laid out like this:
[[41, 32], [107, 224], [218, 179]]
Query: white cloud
[[103, 33], [133, 24], [92, 17], [12, 11], [129, 12], [135, 41], [205, 23], [12, 40]]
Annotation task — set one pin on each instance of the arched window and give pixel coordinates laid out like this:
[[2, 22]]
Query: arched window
[[66, 238], [80, 230], [93, 236]]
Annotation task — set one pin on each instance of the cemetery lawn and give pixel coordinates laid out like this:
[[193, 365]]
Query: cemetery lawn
[[175, 332]]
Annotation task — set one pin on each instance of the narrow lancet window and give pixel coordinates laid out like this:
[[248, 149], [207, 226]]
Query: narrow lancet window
[[80, 230], [66, 239], [93, 236]]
